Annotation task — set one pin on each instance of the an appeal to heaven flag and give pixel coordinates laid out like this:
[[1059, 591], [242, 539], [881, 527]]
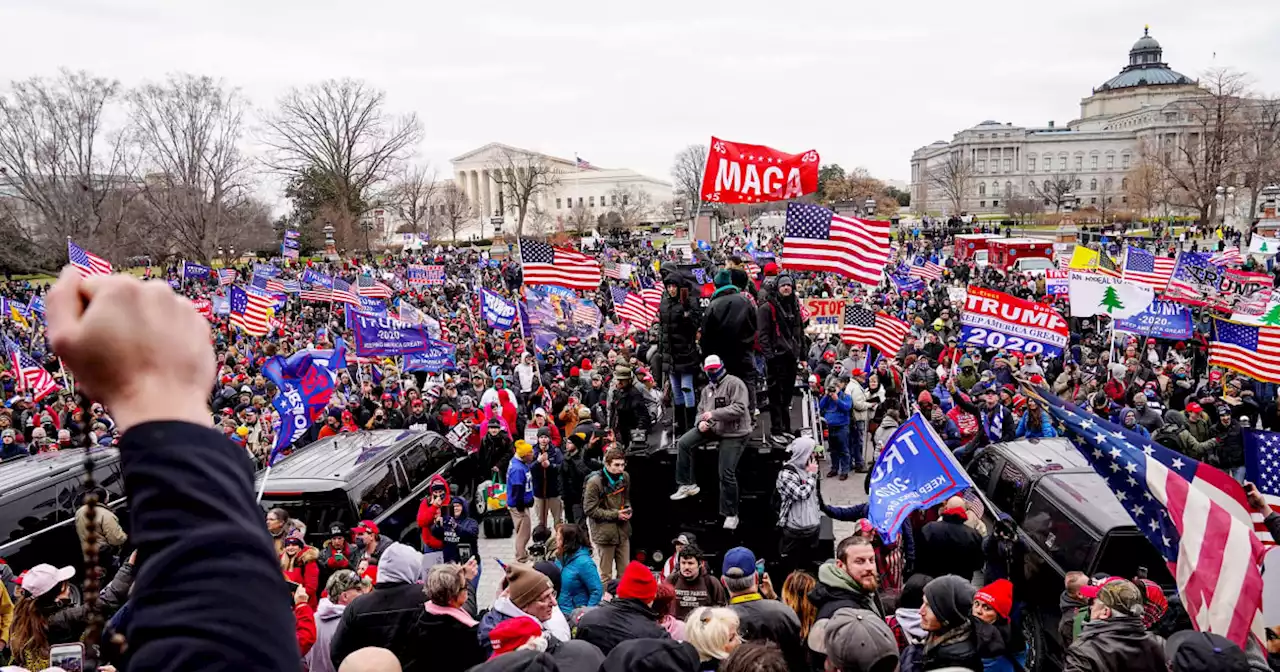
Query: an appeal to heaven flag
[[1100, 295]]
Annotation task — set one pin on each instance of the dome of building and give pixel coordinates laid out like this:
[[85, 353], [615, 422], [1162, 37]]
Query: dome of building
[[1146, 67]]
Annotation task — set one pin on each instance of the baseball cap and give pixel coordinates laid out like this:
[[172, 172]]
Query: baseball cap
[[1194, 650], [45, 577], [366, 526], [1091, 591], [1121, 596], [512, 633], [853, 639], [740, 558], [337, 530], [682, 539]]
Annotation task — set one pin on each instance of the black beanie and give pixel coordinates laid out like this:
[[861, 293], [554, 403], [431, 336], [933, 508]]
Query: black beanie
[[951, 599]]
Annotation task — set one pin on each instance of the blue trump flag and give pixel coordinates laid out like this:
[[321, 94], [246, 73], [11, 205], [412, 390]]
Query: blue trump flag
[[915, 471], [305, 383], [499, 313], [192, 270], [440, 356]]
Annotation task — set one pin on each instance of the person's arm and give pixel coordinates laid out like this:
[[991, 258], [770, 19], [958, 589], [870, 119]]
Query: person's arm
[[592, 505], [146, 354], [305, 627], [6, 616], [109, 527], [846, 513], [595, 589]]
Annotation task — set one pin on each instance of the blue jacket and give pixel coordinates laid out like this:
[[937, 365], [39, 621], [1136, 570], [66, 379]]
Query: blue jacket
[[836, 413], [860, 511], [460, 530], [579, 582], [519, 485], [546, 480], [1044, 431]]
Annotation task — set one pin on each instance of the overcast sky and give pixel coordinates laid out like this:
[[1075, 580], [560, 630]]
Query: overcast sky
[[628, 84]]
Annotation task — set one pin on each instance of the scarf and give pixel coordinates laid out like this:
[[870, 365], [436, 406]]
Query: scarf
[[993, 423], [610, 481]]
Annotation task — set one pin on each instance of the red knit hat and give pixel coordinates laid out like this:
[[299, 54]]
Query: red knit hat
[[998, 595], [513, 633], [637, 583]]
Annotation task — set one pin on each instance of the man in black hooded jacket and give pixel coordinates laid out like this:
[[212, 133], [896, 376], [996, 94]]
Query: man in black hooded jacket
[[729, 331], [782, 342]]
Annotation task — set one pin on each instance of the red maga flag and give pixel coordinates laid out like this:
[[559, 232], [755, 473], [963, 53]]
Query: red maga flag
[[741, 173]]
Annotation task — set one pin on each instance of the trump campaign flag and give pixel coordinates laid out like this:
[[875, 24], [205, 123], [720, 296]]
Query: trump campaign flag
[[498, 313], [994, 319], [192, 270], [740, 173], [1193, 514], [915, 471], [384, 336], [439, 356], [305, 383]]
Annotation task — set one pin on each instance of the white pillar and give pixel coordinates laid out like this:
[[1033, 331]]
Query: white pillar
[[485, 193], [494, 188], [459, 179]]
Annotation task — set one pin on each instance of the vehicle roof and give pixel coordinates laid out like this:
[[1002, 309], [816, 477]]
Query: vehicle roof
[[16, 474], [977, 235], [1020, 241], [340, 458], [1044, 455], [1038, 260], [1088, 498]]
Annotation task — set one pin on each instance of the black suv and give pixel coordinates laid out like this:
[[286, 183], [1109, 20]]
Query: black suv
[[378, 475], [1068, 520], [39, 496]]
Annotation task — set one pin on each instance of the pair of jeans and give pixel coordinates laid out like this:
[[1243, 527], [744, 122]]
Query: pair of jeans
[[730, 452], [856, 430], [781, 378], [839, 438], [682, 393]]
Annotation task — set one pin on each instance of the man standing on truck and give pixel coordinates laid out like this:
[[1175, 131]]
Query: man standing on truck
[[724, 415]]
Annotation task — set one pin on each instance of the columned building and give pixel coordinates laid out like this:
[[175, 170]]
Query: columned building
[[594, 191], [1094, 152]]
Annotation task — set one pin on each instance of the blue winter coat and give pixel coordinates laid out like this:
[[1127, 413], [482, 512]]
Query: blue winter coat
[[461, 530], [836, 413], [546, 480], [1044, 431], [579, 582]]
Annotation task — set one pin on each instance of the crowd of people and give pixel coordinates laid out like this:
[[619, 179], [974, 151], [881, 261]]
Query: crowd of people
[[722, 361]]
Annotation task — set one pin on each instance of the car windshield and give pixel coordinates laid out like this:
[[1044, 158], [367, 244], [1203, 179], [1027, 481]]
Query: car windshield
[[316, 510], [980, 256], [1036, 264]]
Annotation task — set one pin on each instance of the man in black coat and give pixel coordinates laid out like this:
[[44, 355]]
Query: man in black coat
[[729, 331], [781, 342], [386, 616], [948, 546], [628, 616], [678, 359]]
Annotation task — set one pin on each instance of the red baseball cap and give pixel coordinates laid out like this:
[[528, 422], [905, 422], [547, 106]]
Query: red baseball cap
[[1091, 591], [366, 526]]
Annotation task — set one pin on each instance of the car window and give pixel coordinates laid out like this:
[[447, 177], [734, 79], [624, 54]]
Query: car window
[[1010, 489], [1065, 542], [982, 468], [377, 492], [1124, 552], [316, 510], [29, 514], [417, 464]]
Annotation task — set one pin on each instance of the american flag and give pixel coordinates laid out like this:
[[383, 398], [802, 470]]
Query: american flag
[[546, 265], [425, 275], [753, 270], [343, 293], [1183, 285], [1262, 468], [1251, 350], [290, 286], [926, 271], [884, 332], [86, 262], [1145, 268], [367, 286], [632, 307], [586, 314], [1193, 514], [267, 284], [249, 311], [31, 376], [1228, 257], [226, 276], [611, 270], [582, 163], [817, 239], [652, 296]]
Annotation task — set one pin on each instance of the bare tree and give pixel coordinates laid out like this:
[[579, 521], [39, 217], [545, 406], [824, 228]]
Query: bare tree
[[192, 171], [1058, 190], [340, 132], [1146, 185], [580, 218], [523, 177], [1205, 160], [1260, 149], [634, 206], [64, 173], [953, 178], [411, 197], [686, 172], [455, 209], [1022, 208]]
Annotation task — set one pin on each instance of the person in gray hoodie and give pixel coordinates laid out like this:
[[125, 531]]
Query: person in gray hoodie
[[798, 512], [343, 587], [385, 616], [724, 415]]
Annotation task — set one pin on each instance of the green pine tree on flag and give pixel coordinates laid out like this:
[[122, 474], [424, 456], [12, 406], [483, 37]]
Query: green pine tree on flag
[[1111, 299], [1272, 318], [1264, 247]]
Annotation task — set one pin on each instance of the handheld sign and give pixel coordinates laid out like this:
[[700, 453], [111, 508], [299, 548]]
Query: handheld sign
[[826, 316], [915, 471], [994, 319]]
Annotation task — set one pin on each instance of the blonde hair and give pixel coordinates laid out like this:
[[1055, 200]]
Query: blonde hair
[[709, 630]]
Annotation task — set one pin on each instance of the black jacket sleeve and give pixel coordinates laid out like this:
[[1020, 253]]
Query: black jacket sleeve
[[205, 592]]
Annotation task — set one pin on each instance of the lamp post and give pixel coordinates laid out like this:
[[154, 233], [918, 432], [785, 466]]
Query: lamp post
[[330, 247], [869, 206], [1225, 195], [1069, 202]]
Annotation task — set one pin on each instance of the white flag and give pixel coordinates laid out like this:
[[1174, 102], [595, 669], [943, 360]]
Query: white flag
[[1093, 294], [1263, 245]]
